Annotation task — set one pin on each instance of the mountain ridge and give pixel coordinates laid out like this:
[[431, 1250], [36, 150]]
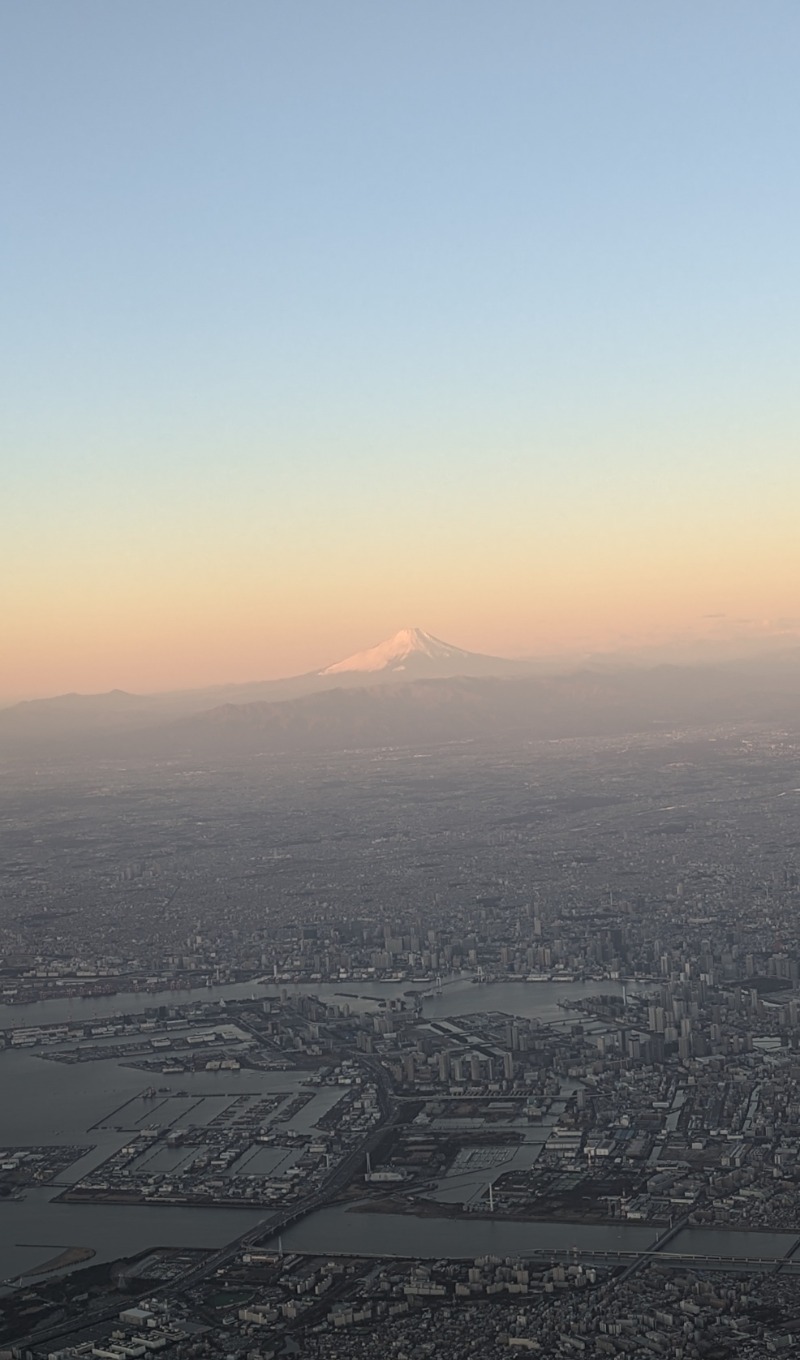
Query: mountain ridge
[[391, 701], [463, 708]]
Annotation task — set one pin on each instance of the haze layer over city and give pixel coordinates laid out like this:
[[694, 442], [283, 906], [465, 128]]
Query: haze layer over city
[[400, 681]]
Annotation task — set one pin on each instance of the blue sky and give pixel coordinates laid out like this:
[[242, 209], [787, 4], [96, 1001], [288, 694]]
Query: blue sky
[[463, 290]]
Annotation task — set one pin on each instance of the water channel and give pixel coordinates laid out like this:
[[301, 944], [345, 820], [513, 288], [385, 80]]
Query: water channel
[[49, 1103]]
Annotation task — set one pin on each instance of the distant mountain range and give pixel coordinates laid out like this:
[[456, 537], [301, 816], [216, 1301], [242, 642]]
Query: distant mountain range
[[410, 689]]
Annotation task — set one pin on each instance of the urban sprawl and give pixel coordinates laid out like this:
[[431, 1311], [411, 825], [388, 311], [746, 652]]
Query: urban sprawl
[[500, 1048]]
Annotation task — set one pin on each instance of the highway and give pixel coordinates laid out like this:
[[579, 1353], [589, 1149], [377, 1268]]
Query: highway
[[269, 1227]]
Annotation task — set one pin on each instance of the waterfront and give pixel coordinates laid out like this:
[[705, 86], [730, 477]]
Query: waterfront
[[48, 1102], [347, 1232], [571, 1127], [459, 996], [34, 1230]]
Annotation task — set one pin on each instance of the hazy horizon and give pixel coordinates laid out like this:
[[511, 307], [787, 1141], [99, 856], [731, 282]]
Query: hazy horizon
[[325, 320], [400, 678], [701, 649]]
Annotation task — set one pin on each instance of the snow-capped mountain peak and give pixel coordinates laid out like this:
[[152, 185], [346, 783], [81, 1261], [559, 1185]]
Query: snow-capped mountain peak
[[412, 650]]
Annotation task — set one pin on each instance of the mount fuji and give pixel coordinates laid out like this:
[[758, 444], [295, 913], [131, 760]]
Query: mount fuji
[[412, 654], [411, 688]]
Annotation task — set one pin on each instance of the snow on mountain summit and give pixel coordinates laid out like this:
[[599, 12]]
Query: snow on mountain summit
[[414, 651]]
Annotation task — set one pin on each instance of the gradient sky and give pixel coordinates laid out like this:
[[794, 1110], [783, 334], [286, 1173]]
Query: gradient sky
[[325, 317]]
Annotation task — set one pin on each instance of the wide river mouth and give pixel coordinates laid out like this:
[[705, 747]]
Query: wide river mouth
[[51, 1103]]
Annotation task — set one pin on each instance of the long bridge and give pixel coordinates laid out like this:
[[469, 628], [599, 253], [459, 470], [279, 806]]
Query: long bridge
[[699, 1260]]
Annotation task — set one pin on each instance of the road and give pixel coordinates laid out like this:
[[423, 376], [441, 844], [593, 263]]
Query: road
[[269, 1227]]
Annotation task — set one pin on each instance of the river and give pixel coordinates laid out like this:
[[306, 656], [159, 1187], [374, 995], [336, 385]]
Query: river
[[461, 996], [346, 1232], [52, 1103]]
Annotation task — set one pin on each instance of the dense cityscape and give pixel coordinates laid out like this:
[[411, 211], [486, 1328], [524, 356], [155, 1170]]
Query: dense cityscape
[[439, 1052], [400, 680]]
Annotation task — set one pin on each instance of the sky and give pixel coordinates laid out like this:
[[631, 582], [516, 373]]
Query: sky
[[324, 319]]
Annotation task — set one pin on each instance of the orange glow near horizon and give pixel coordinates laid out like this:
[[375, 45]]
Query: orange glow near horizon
[[308, 344], [181, 582], [202, 625]]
